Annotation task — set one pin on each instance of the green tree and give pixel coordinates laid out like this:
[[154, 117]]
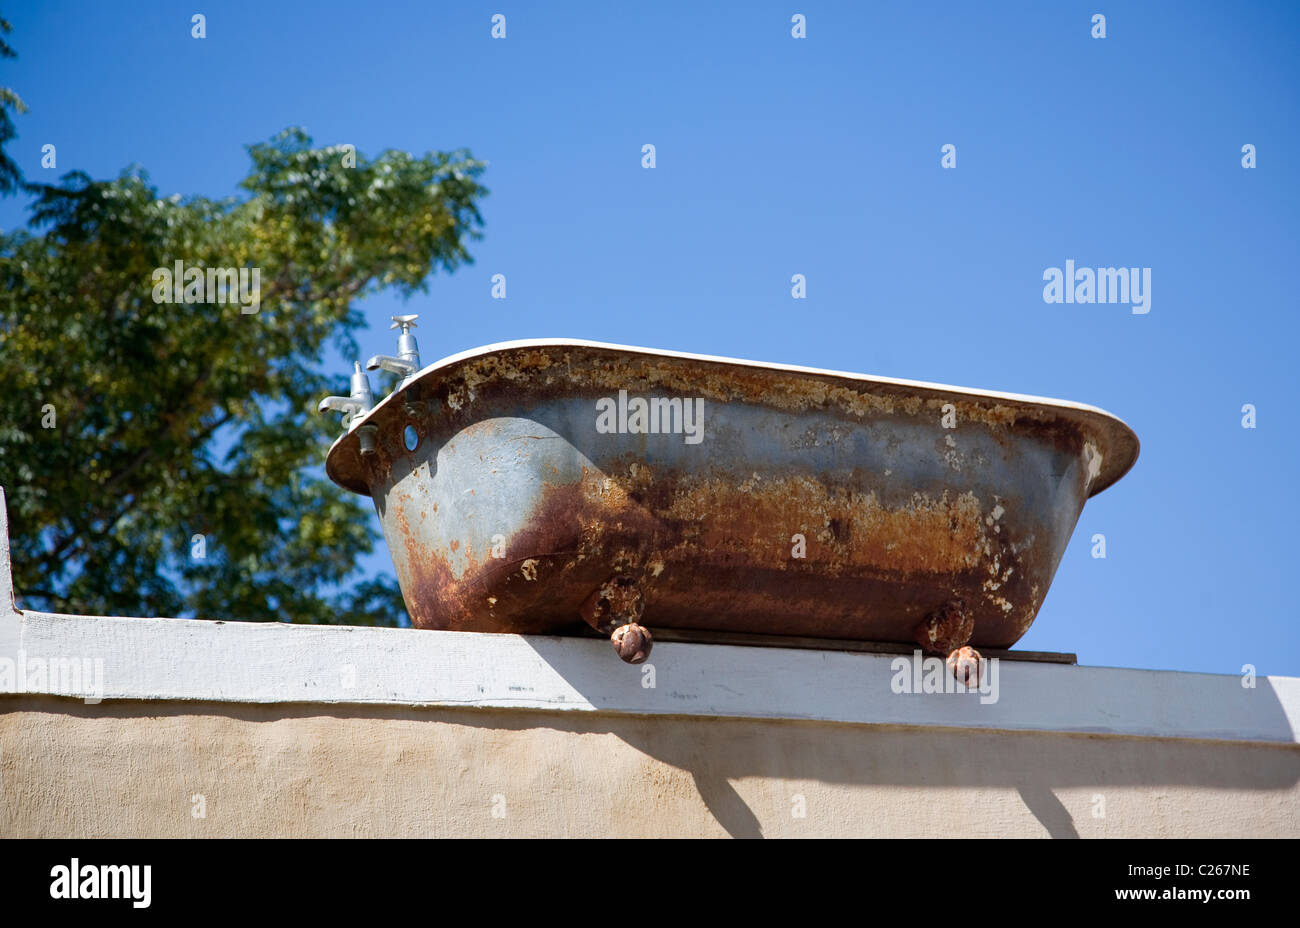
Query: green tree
[[175, 420], [11, 176]]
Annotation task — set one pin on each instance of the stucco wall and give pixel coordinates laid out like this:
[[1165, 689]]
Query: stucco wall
[[118, 768]]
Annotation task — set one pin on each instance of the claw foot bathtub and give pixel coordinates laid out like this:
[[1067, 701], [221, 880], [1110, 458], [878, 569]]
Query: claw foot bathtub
[[541, 486]]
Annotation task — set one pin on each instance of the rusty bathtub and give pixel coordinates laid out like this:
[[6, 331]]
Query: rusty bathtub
[[547, 485]]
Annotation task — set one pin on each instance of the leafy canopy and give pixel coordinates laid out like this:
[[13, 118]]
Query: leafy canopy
[[11, 176], [175, 420]]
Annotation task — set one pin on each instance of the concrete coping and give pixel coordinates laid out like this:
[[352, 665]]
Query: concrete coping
[[98, 658]]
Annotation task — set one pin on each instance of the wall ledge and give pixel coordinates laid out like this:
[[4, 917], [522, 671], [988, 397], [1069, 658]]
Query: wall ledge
[[106, 658]]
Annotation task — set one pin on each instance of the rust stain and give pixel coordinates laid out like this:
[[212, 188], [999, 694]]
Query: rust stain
[[946, 629], [849, 527], [616, 602], [703, 556], [576, 368]]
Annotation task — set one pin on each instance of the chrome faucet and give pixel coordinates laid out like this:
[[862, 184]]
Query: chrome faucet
[[407, 362], [355, 406]]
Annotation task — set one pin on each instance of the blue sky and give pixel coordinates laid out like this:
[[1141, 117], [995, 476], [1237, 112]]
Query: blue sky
[[818, 156]]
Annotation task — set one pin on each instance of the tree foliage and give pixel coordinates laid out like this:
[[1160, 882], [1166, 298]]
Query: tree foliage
[[11, 176], [176, 420]]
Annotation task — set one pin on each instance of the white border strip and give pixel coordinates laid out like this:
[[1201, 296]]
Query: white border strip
[[249, 662]]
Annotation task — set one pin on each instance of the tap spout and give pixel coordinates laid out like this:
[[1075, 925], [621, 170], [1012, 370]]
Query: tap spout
[[351, 408], [355, 406], [399, 366], [343, 404]]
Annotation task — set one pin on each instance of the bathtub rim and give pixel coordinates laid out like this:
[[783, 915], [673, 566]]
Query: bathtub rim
[[1119, 444]]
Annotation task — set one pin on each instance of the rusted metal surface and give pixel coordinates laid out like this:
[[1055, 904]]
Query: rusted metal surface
[[964, 663], [615, 602], [946, 629], [613, 609], [814, 503], [632, 643]]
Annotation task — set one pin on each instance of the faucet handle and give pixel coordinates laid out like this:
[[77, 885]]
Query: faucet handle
[[405, 323]]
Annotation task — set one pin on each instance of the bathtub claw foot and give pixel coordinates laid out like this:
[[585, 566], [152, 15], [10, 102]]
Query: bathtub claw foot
[[965, 666], [632, 642], [615, 609]]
